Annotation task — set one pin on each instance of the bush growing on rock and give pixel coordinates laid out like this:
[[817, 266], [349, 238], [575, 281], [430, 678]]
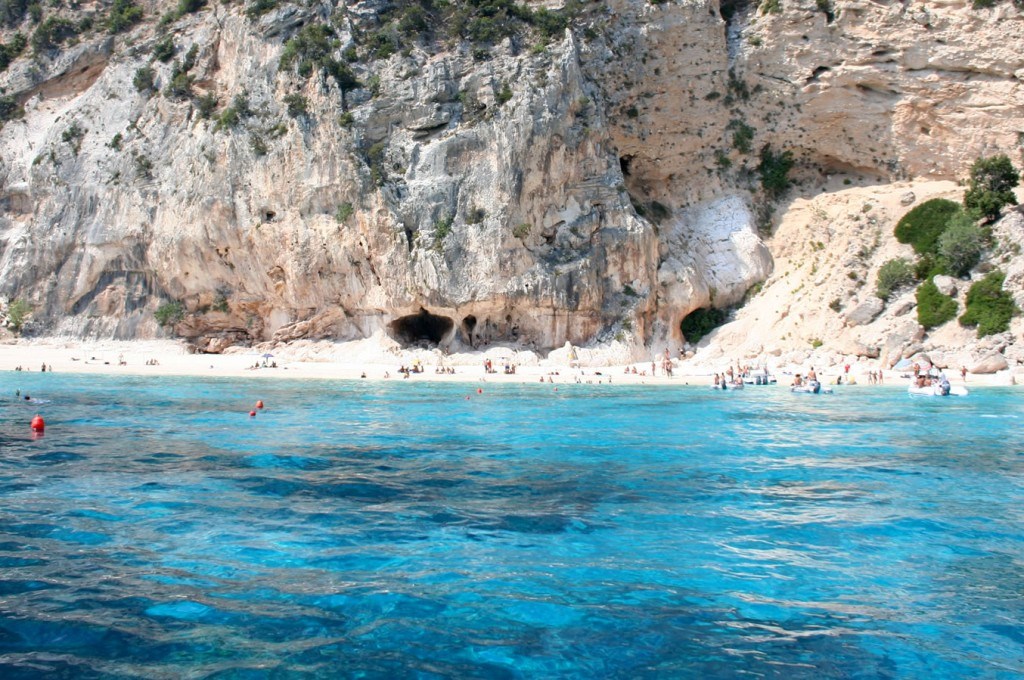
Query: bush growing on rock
[[989, 307], [742, 135], [169, 313], [922, 226], [774, 169], [991, 186], [144, 79], [164, 50], [961, 245], [892, 276], [17, 313], [311, 49], [297, 105], [123, 15], [52, 33], [930, 265], [933, 308], [10, 109], [10, 51], [344, 211], [257, 9]]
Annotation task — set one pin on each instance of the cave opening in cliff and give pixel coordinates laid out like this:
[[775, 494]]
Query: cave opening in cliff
[[468, 324], [624, 163], [421, 328], [730, 8], [700, 322]]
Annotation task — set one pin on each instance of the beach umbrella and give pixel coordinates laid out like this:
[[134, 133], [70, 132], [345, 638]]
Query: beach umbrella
[[903, 365], [268, 355]]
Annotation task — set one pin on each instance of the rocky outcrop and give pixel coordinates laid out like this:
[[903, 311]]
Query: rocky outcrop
[[865, 312], [591, 187], [993, 362]]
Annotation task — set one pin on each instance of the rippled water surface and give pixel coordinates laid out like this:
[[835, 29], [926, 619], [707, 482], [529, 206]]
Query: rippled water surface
[[398, 529]]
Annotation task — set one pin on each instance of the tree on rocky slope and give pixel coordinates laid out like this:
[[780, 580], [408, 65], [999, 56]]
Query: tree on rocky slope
[[991, 186], [961, 244]]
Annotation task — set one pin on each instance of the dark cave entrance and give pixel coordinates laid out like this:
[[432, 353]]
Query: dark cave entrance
[[468, 324], [624, 165], [421, 328], [700, 322], [730, 8]]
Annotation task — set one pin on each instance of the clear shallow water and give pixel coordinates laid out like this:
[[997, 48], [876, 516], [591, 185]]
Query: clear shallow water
[[400, 530]]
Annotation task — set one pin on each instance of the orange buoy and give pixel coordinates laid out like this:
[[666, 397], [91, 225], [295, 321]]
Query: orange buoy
[[252, 414], [38, 424], [259, 403]]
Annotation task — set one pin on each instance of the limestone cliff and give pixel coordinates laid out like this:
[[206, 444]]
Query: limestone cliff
[[589, 172]]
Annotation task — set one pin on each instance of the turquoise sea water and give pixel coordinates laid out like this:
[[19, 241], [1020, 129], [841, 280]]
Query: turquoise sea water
[[396, 529]]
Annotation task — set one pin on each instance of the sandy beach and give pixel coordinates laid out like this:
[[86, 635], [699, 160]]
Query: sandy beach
[[377, 359]]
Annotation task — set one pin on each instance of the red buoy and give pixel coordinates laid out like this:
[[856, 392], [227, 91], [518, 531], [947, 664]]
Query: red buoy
[[259, 403], [479, 390], [38, 424], [252, 414]]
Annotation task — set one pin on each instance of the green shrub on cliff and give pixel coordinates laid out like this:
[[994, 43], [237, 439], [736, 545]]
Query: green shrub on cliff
[[961, 245], [10, 51], [123, 15], [52, 33], [933, 308], [164, 50], [991, 186], [892, 276], [774, 168], [297, 104], [169, 313], [312, 49], [922, 226], [10, 109], [989, 307], [144, 79], [17, 313]]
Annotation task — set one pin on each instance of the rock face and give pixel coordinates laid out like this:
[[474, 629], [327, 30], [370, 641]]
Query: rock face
[[600, 185], [990, 363], [865, 312]]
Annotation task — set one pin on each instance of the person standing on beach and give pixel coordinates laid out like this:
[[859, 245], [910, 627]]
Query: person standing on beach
[[963, 373]]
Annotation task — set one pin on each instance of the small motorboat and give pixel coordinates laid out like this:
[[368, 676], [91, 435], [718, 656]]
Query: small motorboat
[[937, 390], [810, 387], [759, 376]]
